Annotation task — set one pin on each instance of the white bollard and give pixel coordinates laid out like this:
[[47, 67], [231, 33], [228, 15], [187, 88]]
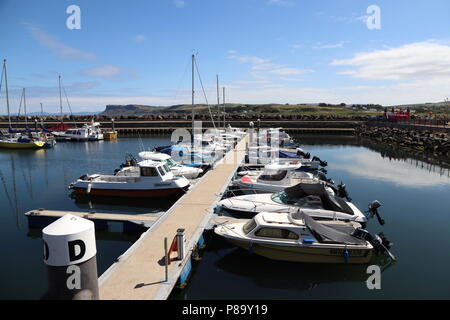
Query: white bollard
[[70, 255]]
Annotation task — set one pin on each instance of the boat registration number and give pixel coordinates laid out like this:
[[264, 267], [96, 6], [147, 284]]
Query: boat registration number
[[352, 253]]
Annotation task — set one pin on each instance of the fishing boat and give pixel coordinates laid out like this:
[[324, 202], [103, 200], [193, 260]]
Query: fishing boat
[[316, 196], [110, 135], [177, 169], [89, 132], [153, 179], [275, 177], [297, 237]]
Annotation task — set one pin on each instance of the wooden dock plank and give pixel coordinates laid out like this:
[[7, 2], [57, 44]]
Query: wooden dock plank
[[95, 216], [139, 274]]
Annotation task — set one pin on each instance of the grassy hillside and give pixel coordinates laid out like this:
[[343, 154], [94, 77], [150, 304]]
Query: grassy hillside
[[284, 109]]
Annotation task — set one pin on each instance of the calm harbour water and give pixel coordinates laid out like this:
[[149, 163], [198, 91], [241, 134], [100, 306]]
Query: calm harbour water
[[416, 207]]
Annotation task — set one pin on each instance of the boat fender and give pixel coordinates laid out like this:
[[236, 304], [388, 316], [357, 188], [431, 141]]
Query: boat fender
[[250, 248], [88, 189], [346, 255]]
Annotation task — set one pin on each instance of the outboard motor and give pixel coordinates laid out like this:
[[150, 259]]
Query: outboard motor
[[321, 176], [379, 242], [342, 192], [322, 163], [303, 154], [373, 210]]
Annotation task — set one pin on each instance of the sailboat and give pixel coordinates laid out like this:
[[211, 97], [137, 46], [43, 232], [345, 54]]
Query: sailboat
[[17, 140], [89, 132]]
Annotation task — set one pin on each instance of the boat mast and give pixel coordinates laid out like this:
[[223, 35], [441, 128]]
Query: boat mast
[[60, 99], [218, 101], [7, 96], [223, 107], [42, 116], [25, 109], [193, 101]]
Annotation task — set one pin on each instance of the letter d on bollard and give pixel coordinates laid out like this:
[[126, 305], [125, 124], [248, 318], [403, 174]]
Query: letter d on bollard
[[70, 255]]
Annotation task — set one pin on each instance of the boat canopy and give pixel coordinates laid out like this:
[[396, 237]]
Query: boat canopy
[[156, 156], [285, 155], [329, 202], [294, 165], [326, 233]]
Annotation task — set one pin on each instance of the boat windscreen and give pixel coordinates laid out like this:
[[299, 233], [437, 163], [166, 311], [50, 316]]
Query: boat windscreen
[[328, 233]]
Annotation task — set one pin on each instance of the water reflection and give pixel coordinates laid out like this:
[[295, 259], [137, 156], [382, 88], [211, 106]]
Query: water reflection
[[371, 165], [270, 274], [116, 204]]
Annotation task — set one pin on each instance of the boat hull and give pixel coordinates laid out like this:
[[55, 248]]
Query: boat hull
[[305, 254], [130, 193], [22, 145], [110, 135]]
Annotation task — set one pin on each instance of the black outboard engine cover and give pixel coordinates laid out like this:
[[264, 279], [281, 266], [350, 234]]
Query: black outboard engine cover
[[362, 234], [321, 176], [373, 208], [322, 163], [342, 192]]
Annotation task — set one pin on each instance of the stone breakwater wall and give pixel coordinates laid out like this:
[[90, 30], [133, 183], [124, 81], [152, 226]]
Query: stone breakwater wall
[[429, 142]]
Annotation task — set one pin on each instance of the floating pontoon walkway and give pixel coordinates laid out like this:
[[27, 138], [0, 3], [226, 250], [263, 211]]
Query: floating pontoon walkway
[[92, 215], [139, 274]]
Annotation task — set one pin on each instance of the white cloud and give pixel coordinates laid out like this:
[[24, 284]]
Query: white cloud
[[415, 61], [105, 72], [263, 68], [289, 71], [109, 72], [57, 47], [232, 51], [139, 38], [280, 2], [296, 46], [179, 3], [330, 46]]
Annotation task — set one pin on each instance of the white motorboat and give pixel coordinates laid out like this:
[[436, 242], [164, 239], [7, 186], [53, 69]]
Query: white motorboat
[[314, 196], [274, 178], [266, 155], [177, 169], [89, 132], [282, 138], [152, 179], [297, 237]]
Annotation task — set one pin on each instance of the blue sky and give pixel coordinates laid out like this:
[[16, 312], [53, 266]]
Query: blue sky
[[285, 51]]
